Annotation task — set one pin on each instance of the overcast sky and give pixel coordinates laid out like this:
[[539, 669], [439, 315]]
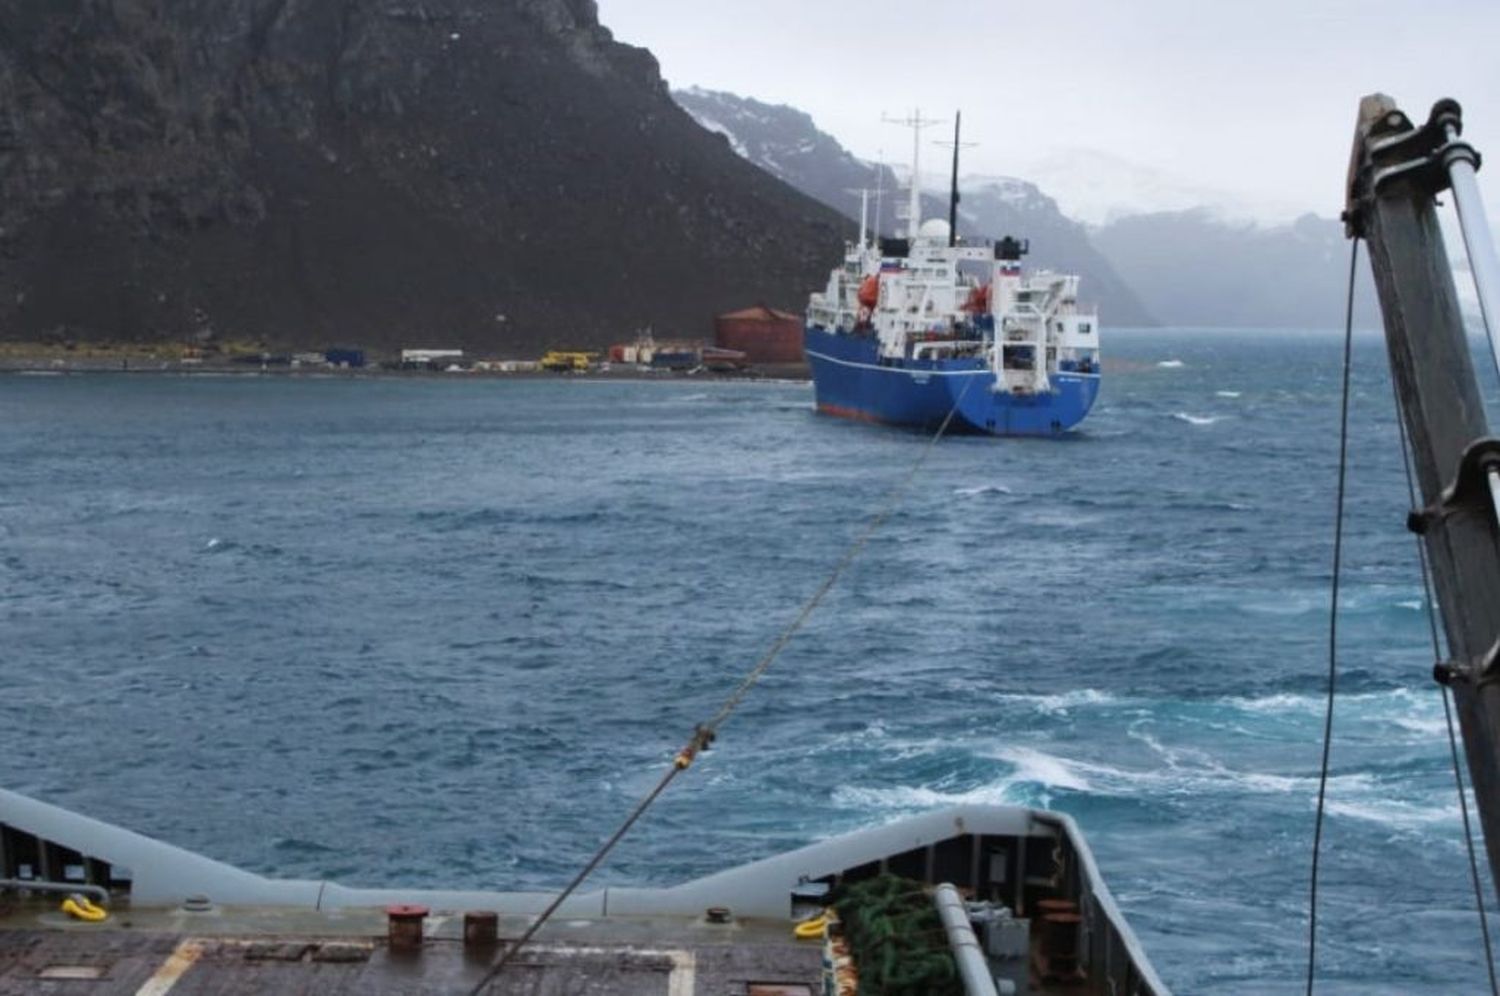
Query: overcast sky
[[1255, 100]]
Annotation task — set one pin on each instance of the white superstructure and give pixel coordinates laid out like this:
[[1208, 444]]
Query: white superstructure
[[924, 299]]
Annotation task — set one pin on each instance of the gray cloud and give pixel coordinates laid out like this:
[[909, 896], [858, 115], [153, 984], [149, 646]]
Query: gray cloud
[[1253, 99]]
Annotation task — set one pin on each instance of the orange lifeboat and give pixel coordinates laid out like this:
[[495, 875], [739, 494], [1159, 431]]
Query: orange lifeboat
[[869, 292], [979, 299]]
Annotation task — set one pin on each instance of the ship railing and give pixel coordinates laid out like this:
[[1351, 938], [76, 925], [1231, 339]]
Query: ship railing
[[32, 863]]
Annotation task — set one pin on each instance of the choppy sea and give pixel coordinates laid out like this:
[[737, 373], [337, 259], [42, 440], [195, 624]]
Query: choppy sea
[[446, 632]]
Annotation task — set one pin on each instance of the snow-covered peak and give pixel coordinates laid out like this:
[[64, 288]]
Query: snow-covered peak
[[1098, 187]]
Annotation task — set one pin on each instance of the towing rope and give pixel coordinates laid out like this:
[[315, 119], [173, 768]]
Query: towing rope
[[1489, 959], [1333, 627], [704, 733]]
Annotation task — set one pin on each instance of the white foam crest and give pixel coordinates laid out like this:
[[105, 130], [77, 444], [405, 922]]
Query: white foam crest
[[1399, 698], [913, 797], [1425, 726], [1390, 813], [1227, 394], [1036, 769], [1030, 767], [1171, 364], [1404, 713], [982, 490], [1196, 419], [1176, 778], [1280, 702], [1063, 701], [1040, 768]]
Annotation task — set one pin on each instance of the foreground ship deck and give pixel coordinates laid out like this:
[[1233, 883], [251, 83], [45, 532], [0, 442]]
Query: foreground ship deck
[[181, 923], [287, 951]]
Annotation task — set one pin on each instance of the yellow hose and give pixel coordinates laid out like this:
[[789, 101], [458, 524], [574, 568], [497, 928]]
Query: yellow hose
[[80, 908], [809, 929]]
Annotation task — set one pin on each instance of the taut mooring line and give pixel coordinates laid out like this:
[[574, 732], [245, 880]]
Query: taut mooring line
[[704, 733]]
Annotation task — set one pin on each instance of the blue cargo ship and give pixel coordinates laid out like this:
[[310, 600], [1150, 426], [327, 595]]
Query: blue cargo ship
[[911, 329]]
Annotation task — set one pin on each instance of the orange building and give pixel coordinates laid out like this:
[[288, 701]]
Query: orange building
[[763, 334]]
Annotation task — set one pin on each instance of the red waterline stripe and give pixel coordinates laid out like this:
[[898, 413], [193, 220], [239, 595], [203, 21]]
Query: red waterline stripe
[[854, 413]]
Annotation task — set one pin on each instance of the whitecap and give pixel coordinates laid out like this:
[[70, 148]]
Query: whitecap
[[982, 490], [1040, 768], [900, 797], [1227, 394], [1390, 813], [1171, 364], [1196, 419], [213, 544], [1425, 726], [1031, 767], [1063, 701]]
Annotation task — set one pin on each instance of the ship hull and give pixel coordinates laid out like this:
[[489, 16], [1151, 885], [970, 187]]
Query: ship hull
[[850, 381]]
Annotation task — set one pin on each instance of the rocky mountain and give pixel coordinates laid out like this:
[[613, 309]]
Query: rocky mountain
[[1194, 268], [493, 174], [786, 143]]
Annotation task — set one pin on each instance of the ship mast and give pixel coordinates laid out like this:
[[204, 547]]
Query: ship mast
[[953, 188], [953, 197], [1397, 169], [916, 123]]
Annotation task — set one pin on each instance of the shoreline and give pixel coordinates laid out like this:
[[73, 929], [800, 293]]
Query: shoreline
[[51, 366]]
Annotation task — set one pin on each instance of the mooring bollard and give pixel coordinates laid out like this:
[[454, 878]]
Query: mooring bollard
[[481, 929], [404, 927]]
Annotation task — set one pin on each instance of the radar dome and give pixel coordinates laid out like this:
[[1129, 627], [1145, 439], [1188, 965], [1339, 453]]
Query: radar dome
[[935, 229]]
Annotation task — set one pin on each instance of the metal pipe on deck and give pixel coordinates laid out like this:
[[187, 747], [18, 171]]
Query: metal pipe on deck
[[66, 888], [973, 966]]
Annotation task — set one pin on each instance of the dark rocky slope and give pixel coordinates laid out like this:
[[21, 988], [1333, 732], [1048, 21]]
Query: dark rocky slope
[[495, 174]]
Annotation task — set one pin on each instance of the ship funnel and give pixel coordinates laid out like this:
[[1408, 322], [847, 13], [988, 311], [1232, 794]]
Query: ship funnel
[[1012, 249]]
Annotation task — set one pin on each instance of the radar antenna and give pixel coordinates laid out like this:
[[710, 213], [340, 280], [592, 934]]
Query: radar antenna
[[916, 123]]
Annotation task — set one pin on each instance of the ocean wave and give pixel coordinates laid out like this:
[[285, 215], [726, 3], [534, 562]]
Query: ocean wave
[[1393, 813], [1401, 699], [1402, 715], [1280, 702], [1432, 726], [1227, 394], [1033, 775], [1040, 768], [982, 490], [1196, 419], [1063, 701], [1171, 364], [1031, 768]]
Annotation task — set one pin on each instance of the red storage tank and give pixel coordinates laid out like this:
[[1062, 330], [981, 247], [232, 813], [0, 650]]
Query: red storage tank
[[763, 334]]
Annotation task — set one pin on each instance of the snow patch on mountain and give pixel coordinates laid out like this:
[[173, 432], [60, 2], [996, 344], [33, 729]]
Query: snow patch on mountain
[[719, 128], [1097, 188]]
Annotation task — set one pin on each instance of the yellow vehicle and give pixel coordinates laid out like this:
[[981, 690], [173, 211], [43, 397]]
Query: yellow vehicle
[[567, 360]]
